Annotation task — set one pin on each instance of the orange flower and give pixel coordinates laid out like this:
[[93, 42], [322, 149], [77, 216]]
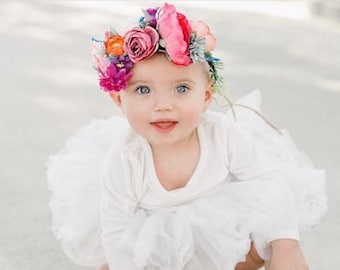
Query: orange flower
[[115, 45]]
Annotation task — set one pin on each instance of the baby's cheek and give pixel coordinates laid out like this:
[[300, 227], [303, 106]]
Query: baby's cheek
[[192, 116]]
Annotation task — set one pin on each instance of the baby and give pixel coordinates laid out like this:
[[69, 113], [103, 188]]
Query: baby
[[183, 187]]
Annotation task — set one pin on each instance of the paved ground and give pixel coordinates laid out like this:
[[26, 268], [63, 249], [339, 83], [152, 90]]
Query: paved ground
[[48, 90]]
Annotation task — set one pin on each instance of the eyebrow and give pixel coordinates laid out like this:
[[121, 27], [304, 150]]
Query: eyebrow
[[141, 81], [186, 80], [137, 81]]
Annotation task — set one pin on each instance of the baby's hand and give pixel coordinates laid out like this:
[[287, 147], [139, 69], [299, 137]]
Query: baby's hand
[[287, 255]]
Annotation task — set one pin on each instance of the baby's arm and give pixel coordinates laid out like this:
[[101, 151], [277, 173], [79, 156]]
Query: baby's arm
[[286, 255], [246, 163], [115, 220], [117, 211]]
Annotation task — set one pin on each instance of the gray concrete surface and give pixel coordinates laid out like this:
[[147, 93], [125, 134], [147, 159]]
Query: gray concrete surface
[[48, 90]]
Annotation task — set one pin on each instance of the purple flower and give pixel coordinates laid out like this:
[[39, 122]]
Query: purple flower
[[122, 61], [151, 16]]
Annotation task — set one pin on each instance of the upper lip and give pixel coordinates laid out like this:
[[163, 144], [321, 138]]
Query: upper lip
[[165, 120]]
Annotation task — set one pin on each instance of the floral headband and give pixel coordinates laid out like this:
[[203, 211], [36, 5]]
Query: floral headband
[[159, 30]]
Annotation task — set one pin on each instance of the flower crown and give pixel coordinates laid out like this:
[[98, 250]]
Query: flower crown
[[159, 30]]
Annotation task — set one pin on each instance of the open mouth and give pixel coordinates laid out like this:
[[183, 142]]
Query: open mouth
[[164, 126]]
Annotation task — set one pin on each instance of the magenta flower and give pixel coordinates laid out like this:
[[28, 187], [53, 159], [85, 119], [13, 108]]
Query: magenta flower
[[141, 43], [175, 29], [116, 78]]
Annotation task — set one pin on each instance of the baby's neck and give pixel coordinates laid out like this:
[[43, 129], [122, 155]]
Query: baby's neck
[[175, 148], [175, 164]]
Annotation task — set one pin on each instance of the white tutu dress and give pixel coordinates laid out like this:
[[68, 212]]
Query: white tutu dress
[[108, 206]]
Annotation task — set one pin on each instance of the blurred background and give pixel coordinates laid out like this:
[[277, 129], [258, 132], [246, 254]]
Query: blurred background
[[290, 50]]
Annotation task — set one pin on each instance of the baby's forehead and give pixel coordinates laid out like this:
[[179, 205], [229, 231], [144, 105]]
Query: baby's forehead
[[160, 65]]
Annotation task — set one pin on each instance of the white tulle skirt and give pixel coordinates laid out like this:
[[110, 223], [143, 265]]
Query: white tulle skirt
[[210, 233]]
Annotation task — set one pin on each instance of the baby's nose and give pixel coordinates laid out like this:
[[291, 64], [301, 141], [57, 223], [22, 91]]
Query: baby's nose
[[163, 106], [163, 103]]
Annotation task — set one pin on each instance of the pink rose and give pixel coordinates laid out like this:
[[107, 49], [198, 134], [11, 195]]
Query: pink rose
[[202, 30], [175, 29], [141, 43]]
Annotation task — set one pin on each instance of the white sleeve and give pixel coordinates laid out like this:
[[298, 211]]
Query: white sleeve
[[247, 163], [117, 209]]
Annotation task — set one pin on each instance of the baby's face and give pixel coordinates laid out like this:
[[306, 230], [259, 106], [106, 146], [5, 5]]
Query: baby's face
[[163, 101]]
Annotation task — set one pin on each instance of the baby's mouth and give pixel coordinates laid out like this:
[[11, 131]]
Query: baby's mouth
[[164, 125]]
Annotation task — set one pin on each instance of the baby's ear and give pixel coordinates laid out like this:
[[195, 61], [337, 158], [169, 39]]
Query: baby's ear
[[209, 91], [115, 96]]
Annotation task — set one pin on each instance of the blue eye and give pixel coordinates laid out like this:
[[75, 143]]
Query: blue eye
[[182, 89], [143, 90]]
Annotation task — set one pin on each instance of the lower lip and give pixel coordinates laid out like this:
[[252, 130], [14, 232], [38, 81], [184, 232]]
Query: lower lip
[[164, 127]]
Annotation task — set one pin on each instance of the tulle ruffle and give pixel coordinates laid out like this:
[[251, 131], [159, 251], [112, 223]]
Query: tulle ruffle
[[306, 182], [213, 232], [74, 179]]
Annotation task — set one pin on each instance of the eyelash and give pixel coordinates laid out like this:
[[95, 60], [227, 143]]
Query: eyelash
[[143, 90]]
